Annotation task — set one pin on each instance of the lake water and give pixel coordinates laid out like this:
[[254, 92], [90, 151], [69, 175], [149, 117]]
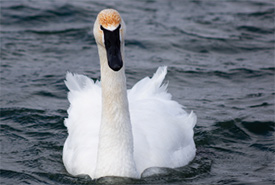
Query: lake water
[[221, 65]]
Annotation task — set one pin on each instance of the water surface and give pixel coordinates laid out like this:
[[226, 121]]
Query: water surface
[[221, 65]]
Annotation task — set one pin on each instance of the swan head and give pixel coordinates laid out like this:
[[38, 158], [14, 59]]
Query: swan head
[[109, 31]]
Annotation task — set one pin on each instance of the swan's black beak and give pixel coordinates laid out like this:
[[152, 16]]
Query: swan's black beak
[[112, 45]]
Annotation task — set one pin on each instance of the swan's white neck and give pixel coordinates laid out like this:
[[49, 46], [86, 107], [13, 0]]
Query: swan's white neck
[[115, 149]]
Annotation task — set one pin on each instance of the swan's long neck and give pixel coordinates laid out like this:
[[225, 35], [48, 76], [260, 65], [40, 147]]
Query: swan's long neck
[[115, 149]]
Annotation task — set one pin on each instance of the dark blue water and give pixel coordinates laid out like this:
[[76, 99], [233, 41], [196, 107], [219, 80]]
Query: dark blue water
[[221, 65]]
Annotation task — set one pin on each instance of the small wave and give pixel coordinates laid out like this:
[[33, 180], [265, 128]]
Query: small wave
[[64, 178], [118, 180], [250, 73], [260, 128], [44, 93], [27, 15], [262, 14], [135, 43], [255, 29], [231, 131], [61, 31], [34, 118], [238, 73], [264, 104], [14, 177], [238, 132]]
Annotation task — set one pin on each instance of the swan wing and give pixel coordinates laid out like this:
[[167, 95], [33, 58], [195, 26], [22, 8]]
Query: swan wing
[[148, 87], [83, 122], [163, 131]]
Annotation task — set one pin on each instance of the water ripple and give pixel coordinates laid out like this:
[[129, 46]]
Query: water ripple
[[221, 65]]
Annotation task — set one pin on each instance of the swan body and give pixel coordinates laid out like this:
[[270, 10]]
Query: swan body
[[113, 131]]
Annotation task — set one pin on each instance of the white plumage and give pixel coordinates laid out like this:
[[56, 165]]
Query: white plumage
[[159, 133]]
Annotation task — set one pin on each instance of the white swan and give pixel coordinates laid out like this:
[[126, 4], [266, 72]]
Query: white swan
[[115, 132]]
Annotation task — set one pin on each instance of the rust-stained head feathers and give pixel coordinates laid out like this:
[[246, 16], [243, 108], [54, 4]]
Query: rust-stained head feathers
[[109, 19]]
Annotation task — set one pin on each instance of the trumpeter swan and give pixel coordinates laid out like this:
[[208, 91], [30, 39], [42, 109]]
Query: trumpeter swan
[[115, 132]]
